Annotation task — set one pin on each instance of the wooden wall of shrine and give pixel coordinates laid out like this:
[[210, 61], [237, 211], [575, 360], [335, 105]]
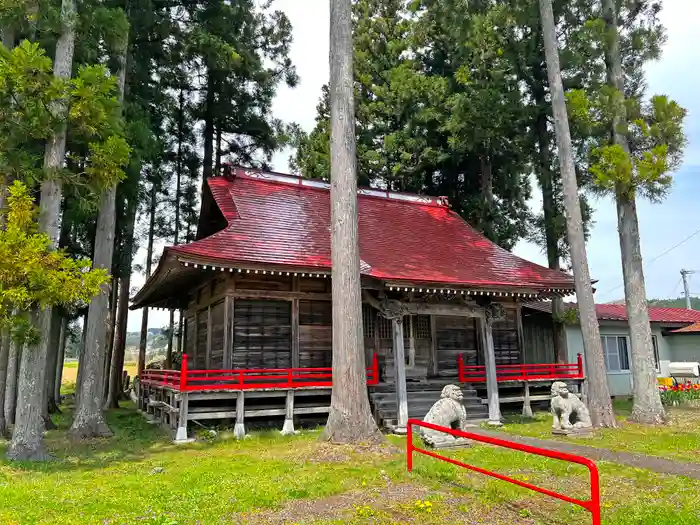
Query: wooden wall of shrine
[[262, 321]]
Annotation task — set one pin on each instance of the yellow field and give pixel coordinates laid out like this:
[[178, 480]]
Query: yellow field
[[70, 371]]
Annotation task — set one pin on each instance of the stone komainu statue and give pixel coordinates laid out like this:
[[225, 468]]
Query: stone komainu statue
[[564, 406], [449, 412]]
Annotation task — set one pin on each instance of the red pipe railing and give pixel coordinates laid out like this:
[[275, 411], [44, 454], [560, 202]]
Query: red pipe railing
[[186, 380], [592, 505], [523, 372]]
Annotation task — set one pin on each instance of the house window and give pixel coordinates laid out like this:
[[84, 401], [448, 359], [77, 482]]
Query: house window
[[655, 344], [616, 353]]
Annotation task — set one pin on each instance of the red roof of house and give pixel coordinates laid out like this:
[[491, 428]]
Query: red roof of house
[[618, 312], [282, 220], [690, 329]]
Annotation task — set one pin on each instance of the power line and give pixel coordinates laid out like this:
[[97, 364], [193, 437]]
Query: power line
[[646, 265], [675, 288]]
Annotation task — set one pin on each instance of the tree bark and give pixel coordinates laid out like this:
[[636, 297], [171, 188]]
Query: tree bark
[[647, 407], [171, 334], [143, 341], [207, 167], [28, 434], [217, 161], [350, 419], [27, 438], [117, 365], [8, 37], [600, 405], [549, 209], [487, 197], [122, 313], [89, 420], [49, 404], [5, 344], [81, 359], [63, 339], [11, 385], [111, 330]]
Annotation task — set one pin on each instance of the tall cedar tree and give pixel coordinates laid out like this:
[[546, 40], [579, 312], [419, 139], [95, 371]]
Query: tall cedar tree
[[628, 168], [27, 442], [88, 420], [350, 418], [600, 404]]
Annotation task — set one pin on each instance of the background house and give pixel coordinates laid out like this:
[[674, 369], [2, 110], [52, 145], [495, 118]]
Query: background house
[[675, 334]]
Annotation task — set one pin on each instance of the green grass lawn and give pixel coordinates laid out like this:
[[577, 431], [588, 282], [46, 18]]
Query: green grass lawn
[[139, 477], [679, 440]]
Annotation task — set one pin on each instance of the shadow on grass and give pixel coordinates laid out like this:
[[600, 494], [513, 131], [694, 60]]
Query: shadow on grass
[[134, 439]]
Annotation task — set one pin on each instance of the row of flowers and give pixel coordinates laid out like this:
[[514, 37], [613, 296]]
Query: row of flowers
[[680, 393]]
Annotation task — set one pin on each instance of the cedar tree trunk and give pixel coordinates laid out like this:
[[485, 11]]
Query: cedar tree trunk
[[27, 437], [28, 434], [11, 385], [143, 341], [117, 365], [89, 420], [63, 339], [647, 407], [5, 343], [600, 405], [350, 419]]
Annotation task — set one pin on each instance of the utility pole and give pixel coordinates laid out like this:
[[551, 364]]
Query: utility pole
[[686, 289]]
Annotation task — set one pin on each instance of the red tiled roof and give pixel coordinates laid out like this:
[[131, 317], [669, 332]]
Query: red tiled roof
[[618, 312], [690, 329], [277, 220]]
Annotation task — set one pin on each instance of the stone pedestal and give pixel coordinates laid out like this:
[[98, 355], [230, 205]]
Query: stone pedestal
[[573, 432]]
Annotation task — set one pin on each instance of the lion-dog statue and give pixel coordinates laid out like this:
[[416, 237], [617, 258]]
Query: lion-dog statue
[[564, 406], [449, 412]]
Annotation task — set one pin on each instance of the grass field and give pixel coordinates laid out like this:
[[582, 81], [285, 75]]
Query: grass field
[[139, 477], [679, 440]]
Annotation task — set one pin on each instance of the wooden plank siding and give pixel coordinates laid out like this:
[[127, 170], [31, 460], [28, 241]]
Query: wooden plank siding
[[217, 326], [455, 336], [538, 338], [248, 320], [262, 334], [505, 339], [202, 331]]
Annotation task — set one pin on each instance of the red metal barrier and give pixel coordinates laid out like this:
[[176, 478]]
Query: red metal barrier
[[592, 505], [524, 372], [186, 380]]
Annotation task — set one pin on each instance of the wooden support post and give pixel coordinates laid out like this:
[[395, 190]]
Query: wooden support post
[[181, 433], [239, 427], [400, 377], [433, 371], [288, 428], [527, 407], [491, 380]]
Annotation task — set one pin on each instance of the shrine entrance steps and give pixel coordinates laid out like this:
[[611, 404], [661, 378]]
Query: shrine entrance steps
[[421, 397]]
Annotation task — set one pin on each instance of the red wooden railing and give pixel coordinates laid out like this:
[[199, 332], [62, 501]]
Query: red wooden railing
[[186, 380], [592, 505], [554, 371]]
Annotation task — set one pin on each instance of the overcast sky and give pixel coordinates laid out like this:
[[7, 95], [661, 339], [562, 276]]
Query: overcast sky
[[663, 226]]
